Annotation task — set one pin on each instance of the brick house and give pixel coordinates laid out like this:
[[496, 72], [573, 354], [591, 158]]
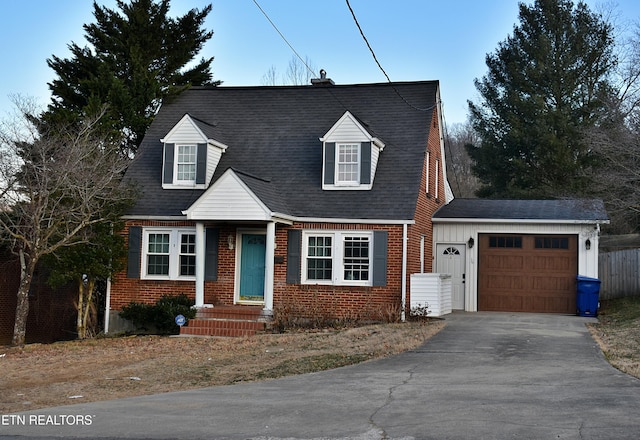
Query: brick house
[[317, 198]]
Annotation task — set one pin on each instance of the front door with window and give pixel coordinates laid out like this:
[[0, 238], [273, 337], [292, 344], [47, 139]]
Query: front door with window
[[450, 259], [252, 267]]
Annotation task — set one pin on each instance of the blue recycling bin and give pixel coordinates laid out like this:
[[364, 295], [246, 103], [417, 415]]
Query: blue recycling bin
[[588, 296]]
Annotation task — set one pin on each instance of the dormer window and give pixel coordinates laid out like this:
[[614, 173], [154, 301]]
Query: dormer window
[[348, 164], [350, 156], [186, 164], [190, 156]]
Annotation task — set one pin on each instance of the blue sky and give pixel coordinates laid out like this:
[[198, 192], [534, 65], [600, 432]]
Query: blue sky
[[413, 40]]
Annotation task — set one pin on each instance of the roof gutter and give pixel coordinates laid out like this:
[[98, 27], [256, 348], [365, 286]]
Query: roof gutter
[[280, 218], [519, 221]]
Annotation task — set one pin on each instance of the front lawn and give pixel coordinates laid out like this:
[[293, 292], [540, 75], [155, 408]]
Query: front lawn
[[618, 333]]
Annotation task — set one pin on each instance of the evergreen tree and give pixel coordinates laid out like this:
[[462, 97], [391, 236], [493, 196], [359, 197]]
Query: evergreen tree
[[136, 58], [546, 83]]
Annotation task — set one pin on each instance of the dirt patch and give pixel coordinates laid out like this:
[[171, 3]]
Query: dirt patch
[[65, 373]]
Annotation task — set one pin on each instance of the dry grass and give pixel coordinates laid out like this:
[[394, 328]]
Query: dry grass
[[63, 373], [618, 333]]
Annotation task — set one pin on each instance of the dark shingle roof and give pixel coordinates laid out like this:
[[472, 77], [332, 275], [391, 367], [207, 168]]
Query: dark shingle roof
[[272, 134], [571, 210]]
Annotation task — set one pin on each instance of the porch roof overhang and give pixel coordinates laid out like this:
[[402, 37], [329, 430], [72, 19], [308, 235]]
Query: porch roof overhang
[[231, 199]]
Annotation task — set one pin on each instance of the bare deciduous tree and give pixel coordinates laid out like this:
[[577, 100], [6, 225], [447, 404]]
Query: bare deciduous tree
[[617, 143], [298, 73], [53, 185], [463, 182]]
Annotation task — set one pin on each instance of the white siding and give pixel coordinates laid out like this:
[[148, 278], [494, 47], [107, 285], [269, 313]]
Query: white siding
[[185, 132], [432, 290], [462, 232], [213, 159], [348, 131], [375, 155], [228, 199]]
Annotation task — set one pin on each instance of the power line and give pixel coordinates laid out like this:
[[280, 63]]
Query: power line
[[328, 89], [283, 38], [375, 58]]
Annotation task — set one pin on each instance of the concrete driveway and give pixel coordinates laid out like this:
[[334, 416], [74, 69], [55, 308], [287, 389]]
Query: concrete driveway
[[485, 376]]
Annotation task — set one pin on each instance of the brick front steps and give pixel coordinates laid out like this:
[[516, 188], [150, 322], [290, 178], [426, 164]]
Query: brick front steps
[[229, 321]]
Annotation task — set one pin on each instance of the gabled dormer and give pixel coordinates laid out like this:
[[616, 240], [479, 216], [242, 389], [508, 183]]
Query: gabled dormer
[[190, 155], [350, 155]]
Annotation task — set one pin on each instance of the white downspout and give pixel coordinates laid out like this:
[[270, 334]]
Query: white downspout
[[107, 307], [404, 272], [422, 254]]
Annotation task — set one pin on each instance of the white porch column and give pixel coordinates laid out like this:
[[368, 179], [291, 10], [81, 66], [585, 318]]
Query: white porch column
[[200, 257], [269, 265]]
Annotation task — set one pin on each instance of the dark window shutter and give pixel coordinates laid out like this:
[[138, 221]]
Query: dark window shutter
[[329, 163], [365, 163], [294, 245], [212, 237], [201, 166], [380, 246], [169, 151], [135, 251]]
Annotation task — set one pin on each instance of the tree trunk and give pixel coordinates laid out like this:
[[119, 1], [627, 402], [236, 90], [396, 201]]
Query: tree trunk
[[85, 299], [27, 268], [80, 320]]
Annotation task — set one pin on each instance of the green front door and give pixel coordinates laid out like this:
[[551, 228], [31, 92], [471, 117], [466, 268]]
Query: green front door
[[252, 267]]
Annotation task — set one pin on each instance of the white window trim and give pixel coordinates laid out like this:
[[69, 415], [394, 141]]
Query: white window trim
[[437, 182], [343, 183], [337, 256], [183, 184], [174, 253], [427, 165], [176, 163]]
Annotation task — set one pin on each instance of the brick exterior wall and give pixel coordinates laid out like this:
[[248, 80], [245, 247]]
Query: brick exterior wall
[[333, 301], [426, 206], [330, 301]]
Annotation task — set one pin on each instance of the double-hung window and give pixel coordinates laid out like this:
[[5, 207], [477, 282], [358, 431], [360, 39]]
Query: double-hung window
[[348, 161], [356, 258], [186, 163], [340, 258], [158, 253], [169, 254], [187, 254], [320, 257]]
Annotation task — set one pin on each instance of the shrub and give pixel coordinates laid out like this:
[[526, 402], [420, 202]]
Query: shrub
[[159, 317], [420, 310]]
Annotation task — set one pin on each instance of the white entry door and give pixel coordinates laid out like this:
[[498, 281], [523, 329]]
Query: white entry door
[[450, 259]]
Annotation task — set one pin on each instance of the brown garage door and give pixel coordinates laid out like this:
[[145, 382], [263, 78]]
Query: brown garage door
[[527, 273]]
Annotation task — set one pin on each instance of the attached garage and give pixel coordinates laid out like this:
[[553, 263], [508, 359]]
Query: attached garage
[[527, 273], [520, 255]]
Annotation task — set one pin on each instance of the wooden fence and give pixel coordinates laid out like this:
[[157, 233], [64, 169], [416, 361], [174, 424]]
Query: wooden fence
[[619, 273]]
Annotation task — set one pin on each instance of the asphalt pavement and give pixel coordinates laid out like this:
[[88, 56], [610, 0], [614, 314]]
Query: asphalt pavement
[[484, 376]]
